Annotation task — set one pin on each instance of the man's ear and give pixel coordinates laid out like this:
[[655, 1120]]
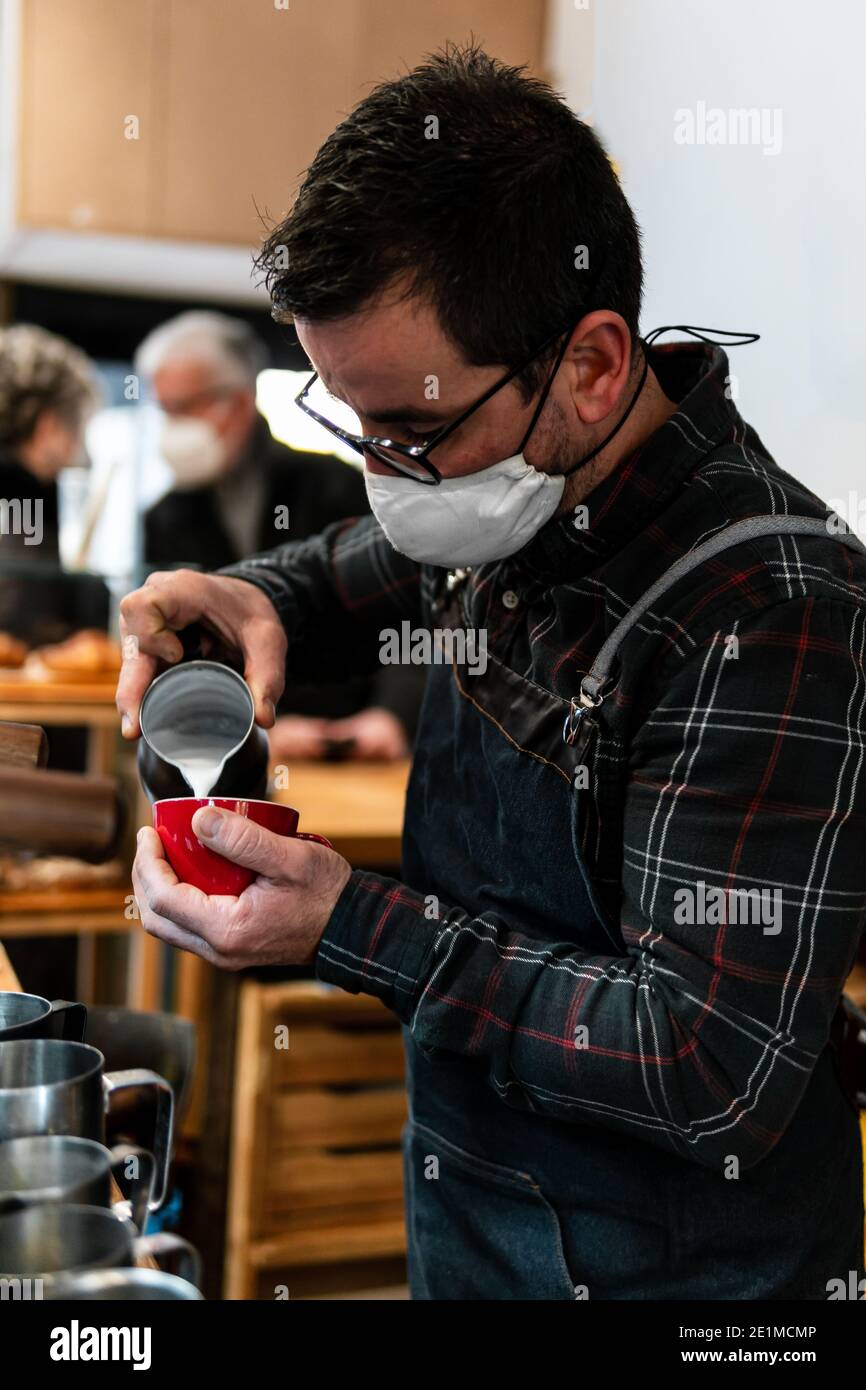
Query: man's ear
[[599, 359]]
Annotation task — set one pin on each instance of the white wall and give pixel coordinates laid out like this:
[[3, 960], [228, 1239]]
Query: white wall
[[734, 237]]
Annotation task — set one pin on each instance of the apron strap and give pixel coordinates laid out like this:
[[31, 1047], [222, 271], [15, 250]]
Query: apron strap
[[592, 685]]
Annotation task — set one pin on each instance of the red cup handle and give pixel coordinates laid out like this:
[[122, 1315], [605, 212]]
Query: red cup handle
[[319, 839]]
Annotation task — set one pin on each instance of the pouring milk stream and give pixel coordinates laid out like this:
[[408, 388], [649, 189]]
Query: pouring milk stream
[[200, 764], [199, 735]]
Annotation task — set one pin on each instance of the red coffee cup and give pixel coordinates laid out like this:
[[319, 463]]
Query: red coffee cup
[[194, 863]]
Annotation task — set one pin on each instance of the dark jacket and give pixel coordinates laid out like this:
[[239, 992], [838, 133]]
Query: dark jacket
[[19, 485]]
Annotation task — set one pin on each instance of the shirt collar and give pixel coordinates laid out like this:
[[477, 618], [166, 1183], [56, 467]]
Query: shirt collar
[[696, 376]]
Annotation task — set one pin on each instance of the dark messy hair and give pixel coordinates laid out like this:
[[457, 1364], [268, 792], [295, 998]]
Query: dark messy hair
[[474, 186]]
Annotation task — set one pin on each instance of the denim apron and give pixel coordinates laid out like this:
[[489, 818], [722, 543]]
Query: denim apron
[[504, 1203]]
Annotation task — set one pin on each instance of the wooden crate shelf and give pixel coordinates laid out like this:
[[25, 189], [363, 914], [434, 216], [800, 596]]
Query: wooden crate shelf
[[316, 1173]]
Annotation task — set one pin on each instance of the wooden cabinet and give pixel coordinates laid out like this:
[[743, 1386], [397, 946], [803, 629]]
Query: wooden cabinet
[[87, 65], [248, 93], [231, 98], [326, 1104]]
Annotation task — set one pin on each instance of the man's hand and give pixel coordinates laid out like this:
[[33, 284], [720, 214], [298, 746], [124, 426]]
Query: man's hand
[[278, 920], [298, 736], [378, 735], [237, 614]]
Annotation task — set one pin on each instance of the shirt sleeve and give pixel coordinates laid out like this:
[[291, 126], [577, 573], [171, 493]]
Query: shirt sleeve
[[743, 893], [334, 594]]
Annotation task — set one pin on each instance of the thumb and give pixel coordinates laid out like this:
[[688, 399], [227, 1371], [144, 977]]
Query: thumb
[[240, 839]]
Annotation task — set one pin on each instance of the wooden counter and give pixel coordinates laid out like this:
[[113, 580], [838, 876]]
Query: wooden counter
[[357, 806], [87, 913]]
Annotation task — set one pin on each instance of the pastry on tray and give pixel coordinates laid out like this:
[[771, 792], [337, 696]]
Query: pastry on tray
[[20, 874], [12, 652], [87, 655]]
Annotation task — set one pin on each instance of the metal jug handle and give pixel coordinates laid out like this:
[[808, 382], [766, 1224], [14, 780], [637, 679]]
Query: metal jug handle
[[191, 640], [187, 1262], [138, 1190], [163, 1134], [71, 1018]]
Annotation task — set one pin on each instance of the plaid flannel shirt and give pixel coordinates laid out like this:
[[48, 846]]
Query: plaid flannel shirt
[[730, 755]]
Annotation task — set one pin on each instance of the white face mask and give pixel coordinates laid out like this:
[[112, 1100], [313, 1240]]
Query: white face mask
[[193, 450], [483, 516]]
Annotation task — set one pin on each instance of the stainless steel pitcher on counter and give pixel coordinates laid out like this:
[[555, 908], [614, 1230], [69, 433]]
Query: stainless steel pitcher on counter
[[120, 1285], [31, 1016], [45, 1241], [67, 1169], [52, 1087]]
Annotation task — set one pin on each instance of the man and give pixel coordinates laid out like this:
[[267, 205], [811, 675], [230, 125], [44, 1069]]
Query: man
[[615, 1091], [238, 491]]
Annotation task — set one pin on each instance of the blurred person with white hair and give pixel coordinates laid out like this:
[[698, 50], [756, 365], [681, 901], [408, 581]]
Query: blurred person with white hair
[[235, 485], [48, 390]]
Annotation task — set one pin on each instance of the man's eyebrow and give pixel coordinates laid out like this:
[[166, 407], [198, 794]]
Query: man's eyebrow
[[395, 415], [399, 415]]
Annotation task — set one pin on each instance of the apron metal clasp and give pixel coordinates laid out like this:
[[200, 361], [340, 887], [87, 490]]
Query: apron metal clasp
[[576, 721]]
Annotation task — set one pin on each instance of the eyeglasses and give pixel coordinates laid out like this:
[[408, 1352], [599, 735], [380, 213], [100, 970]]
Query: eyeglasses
[[191, 403], [412, 460]]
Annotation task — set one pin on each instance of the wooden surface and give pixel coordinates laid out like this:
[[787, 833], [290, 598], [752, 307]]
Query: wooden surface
[[60, 813], [91, 912], [8, 978], [855, 985], [326, 1111], [59, 912], [22, 745], [232, 99], [357, 806], [56, 688]]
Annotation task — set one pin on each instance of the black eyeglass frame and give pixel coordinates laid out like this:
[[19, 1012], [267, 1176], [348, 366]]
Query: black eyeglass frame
[[418, 453]]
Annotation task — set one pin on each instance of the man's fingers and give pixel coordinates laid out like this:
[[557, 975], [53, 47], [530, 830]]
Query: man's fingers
[[263, 643], [155, 613], [157, 887], [136, 673], [172, 935], [244, 842], [148, 619], [240, 615]]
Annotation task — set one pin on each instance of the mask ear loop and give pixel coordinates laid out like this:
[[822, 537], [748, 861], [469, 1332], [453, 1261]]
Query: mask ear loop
[[546, 392], [618, 426], [740, 339]]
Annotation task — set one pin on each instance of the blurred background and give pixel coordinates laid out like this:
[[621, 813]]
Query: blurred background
[[146, 146]]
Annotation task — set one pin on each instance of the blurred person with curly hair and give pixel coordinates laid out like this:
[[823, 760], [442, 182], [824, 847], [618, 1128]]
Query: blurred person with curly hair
[[48, 389]]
